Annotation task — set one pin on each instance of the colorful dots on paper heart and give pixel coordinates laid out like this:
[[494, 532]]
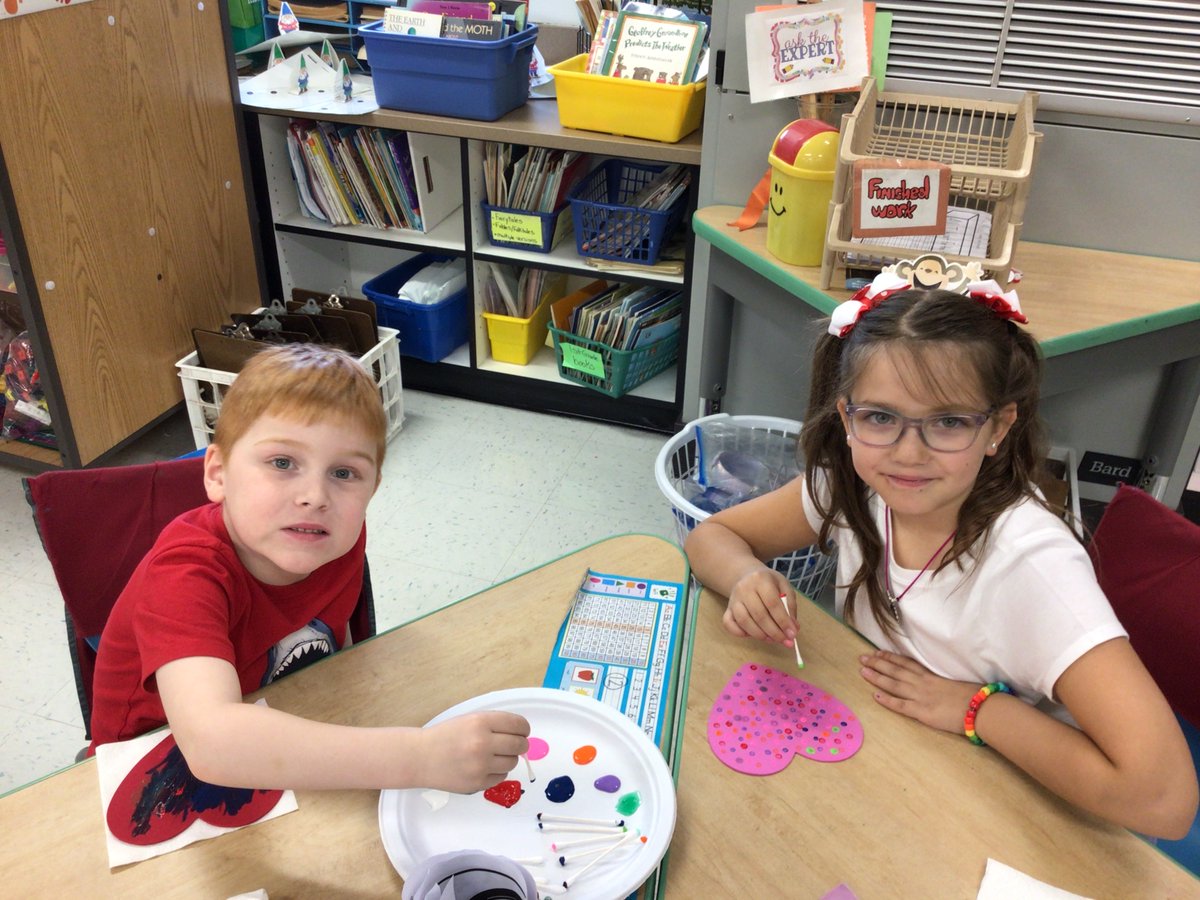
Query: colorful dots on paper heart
[[560, 789], [537, 748], [609, 784], [628, 804], [505, 794], [584, 755]]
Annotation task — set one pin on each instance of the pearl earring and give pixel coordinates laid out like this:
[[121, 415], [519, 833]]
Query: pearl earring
[[994, 445]]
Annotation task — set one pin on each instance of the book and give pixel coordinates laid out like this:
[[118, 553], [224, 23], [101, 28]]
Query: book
[[462, 9], [397, 20], [653, 48], [472, 29], [597, 53]]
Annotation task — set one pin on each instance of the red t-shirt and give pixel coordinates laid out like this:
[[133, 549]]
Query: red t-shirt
[[191, 596]]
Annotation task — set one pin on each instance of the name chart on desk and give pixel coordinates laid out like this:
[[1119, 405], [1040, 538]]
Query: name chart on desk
[[620, 645]]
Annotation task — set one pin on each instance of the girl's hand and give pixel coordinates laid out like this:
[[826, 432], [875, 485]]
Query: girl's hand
[[756, 610], [472, 752], [905, 686]]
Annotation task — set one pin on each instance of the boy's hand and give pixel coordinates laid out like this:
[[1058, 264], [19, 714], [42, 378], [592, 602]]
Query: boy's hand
[[756, 610], [472, 752]]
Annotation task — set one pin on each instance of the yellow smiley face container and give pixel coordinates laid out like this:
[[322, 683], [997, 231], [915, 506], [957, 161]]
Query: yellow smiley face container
[[803, 159]]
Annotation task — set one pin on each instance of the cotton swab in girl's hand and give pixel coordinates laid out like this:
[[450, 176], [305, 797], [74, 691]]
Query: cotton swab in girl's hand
[[529, 768], [551, 817], [583, 842], [618, 845], [795, 646]]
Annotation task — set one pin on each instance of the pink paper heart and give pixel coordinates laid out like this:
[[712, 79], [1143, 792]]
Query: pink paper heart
[[763, 718]]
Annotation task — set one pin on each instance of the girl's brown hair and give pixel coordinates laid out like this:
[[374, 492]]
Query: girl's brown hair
[[941, 337], [307, 383]]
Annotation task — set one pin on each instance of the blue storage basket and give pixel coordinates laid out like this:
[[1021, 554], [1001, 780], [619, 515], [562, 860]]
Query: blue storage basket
[[605, 228], [428, 331], [450, 76]]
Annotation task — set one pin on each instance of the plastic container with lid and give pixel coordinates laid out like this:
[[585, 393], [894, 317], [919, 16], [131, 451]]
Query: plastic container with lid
[[803, 160]]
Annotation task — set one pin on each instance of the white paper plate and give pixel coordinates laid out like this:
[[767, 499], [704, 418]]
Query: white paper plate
[[412, 830]]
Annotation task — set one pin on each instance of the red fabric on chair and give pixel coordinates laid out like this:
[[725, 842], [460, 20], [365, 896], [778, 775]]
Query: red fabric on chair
[[1147, 560], [97, 524]]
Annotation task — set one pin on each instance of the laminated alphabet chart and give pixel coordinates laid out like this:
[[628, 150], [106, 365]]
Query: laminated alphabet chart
[[619, 644]]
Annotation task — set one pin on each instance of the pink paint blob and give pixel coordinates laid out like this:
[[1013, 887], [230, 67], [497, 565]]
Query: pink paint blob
[[537, 749]]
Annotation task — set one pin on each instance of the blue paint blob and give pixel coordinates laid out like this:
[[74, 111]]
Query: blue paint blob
[[610, 784], [560, 789]]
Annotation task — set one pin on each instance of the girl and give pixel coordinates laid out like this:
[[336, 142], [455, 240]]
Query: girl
[[922, 447]]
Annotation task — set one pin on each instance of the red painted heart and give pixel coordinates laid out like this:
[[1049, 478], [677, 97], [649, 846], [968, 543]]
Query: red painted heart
[[763, 718], [506, 793], [160, 798]]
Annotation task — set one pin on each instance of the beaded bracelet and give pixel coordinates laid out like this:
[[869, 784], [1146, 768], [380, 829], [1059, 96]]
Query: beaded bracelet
[[996, 687]]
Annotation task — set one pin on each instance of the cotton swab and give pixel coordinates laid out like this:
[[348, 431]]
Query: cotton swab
[[617, 846], [529, 769], [551, 817], [795, 646], [584, 842], [584, 829], [564, 860]]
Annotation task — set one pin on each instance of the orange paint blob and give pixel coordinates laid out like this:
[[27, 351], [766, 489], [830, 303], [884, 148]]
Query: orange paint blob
[[584, 754]]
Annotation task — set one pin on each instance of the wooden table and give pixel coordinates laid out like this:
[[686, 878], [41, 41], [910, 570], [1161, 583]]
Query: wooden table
[[915, 813], [53, 838], [1120, 334]]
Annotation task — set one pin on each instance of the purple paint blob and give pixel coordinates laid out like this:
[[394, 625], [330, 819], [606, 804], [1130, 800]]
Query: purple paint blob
[[537, 748], [610, 784], [560, 789]]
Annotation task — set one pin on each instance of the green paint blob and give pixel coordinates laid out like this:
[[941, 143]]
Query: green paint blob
[[628, 804]]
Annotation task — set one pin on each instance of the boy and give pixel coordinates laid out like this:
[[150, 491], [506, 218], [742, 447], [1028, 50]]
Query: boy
[[234, 592]]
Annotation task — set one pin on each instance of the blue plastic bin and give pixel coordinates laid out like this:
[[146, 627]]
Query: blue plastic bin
[[428, 331], [448, 76], [607, 228]]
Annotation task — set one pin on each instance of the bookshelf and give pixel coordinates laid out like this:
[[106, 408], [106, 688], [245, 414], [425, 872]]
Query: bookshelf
[[124, 209], [310, 254]]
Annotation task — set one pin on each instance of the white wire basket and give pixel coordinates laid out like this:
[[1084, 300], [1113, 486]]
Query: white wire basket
[[204, 389], [808, 569]]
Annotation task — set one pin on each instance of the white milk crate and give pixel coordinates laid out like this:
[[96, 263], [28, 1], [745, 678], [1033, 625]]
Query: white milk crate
[[807, 569], [203, 389]]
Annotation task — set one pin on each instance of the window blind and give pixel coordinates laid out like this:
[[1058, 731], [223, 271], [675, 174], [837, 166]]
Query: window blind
[[1137, 59]]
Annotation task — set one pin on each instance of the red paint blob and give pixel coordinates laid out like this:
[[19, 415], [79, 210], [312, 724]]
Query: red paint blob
[[505, 794]]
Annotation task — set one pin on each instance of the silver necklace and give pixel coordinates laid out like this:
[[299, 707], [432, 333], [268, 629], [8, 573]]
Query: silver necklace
[[892, 598]]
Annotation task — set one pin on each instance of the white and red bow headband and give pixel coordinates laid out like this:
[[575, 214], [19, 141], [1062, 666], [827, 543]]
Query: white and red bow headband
[[846, 315]]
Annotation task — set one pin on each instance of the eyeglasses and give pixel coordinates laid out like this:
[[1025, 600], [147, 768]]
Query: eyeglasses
[[944, 432]]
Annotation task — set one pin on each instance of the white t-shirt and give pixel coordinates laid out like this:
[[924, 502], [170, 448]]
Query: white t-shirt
[[1022, 611]]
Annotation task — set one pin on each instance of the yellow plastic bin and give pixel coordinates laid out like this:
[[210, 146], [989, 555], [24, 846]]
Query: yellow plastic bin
[[517, 341], [642, 109], [803, 159]]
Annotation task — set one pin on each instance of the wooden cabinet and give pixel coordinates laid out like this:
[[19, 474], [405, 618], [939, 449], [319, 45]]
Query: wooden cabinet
[[124, 205], [311, 254]]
